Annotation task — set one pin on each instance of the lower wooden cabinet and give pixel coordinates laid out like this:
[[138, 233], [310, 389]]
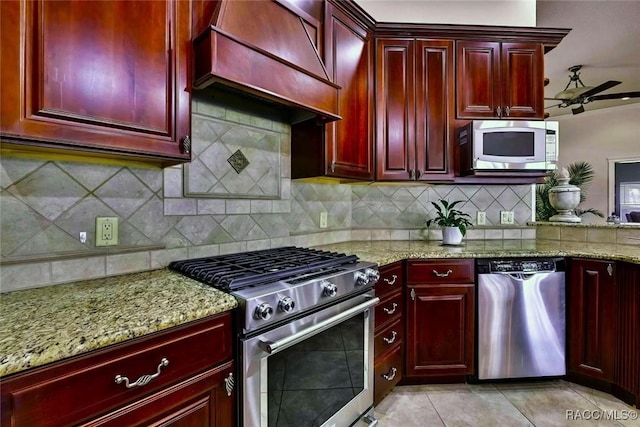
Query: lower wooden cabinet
[[389, 331], [591, 319], [176, 377], [440, 311]]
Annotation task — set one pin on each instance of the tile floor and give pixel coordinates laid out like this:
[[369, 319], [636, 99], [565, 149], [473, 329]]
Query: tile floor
[[540, 404]]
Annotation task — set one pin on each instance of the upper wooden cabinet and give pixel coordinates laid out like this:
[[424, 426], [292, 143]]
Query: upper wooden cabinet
[[500, 80], [97, 77], [348, 57], [414, 109]]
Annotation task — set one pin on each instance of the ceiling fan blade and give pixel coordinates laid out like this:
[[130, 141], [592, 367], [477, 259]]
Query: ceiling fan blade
[[600, 88], [615, 96]]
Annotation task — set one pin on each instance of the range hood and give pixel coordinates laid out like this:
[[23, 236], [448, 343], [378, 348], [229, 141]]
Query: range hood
[[267, 49]]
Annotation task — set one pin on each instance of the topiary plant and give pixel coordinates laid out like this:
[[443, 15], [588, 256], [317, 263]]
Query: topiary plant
[[580, 174]]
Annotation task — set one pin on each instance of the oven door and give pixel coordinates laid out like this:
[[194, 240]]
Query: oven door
[[313, 371]]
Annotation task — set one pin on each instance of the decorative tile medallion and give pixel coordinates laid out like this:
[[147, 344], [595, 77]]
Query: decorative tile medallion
[[238, 161]]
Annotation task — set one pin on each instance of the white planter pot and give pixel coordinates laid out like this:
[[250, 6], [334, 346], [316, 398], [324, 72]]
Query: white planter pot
[[451, 236]]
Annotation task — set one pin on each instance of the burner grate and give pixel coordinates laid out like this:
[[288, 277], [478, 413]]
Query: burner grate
[[236, 271]]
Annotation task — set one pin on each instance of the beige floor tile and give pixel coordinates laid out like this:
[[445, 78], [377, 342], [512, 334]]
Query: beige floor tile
[[407, 406], [553, 406], [475, 405], [613, 407]]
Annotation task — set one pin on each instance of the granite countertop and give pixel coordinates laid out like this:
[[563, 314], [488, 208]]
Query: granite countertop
[[386, 252], [43, 325]]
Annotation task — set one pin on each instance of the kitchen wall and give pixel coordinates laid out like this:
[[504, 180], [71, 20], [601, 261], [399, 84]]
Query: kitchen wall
[[597, 136], [207, 207]]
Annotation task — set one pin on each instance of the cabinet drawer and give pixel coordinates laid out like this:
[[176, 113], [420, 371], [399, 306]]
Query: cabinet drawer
[[440, 271], [86, 386], [391, 278], [388, 336], [387, 373], [389, 308]]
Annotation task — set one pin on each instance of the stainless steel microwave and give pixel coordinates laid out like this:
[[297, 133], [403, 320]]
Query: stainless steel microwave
[[508, 145]]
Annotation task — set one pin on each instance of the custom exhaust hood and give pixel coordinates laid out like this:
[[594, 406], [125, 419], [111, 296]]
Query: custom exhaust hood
[[267, 49]]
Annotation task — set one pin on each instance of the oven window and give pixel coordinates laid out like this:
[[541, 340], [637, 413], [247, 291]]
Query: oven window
[[509, 144], [311, 381]]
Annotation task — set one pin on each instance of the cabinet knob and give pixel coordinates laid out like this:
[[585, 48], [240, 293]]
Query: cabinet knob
[[391, 310], [392, 281], [333, 167], [410, 173], [445, 274], [507, 110], [229, 383], [389, 376], [186, 144], [499, 111]]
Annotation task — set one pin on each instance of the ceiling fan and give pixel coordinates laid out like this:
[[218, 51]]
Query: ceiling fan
[[581, 94]]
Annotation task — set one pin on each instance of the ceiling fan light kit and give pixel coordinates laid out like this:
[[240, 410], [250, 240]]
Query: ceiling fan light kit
[[582, 94]]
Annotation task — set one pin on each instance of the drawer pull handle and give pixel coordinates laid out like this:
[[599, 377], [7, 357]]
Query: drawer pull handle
[[390, 310], [389, 376], [143, 380], [229, 383], [391, 340], [446, 274], [392, 281]]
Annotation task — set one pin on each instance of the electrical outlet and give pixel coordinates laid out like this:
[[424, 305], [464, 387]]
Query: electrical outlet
[[83, 237], [481, 218], [106, 231], [506, 217], [323, 219]]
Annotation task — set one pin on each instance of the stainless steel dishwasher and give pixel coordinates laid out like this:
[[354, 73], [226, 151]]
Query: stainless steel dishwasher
[[521, 318]]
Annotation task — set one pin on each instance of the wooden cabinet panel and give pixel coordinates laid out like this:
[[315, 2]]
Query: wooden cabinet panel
[[627, 358], [387, 373], [591, 318], [434, 109], [107, 77], [414, 111], [440, 334], [391, 278], [499, 80], [389, 308], [199, 401], [522, 80], [440, 271], [477, 80], [349, 142], [86, 386], [394, 109]]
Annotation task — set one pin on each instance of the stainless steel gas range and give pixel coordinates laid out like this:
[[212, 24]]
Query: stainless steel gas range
[[304, 334]]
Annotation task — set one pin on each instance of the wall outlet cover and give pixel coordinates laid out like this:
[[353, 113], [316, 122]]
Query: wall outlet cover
[[481, 218], [323, 219], [106, 231]]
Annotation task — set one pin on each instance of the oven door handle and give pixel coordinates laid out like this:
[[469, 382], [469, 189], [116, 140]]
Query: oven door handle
[[273, 347]]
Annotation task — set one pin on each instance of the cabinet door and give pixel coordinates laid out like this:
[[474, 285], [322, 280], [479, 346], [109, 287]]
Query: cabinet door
[[439, 336], [395, 130], [522, 78], [349, 142], [591, 328], [199, 401], [477, 79], [107, 77], [434, 109]]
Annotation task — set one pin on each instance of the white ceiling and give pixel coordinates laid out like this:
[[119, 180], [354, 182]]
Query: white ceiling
[[605, 38]]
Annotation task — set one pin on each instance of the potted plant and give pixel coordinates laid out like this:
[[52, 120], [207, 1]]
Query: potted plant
[[454, 222]]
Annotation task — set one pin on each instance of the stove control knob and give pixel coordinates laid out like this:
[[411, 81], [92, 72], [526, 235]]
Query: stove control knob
[[329, 289], [373, 274], [286, 305], [362, 278], [264, 311]]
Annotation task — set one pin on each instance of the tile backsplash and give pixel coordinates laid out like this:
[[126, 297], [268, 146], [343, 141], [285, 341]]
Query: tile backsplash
[[44, 205]]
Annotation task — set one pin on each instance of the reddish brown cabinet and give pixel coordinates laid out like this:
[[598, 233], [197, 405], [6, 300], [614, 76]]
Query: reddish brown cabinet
[[349, 59], [414, 109], [389, 330], [499, 80], [440, 309], [591, 319], [193, 364], [104, 78], [627, 368]]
